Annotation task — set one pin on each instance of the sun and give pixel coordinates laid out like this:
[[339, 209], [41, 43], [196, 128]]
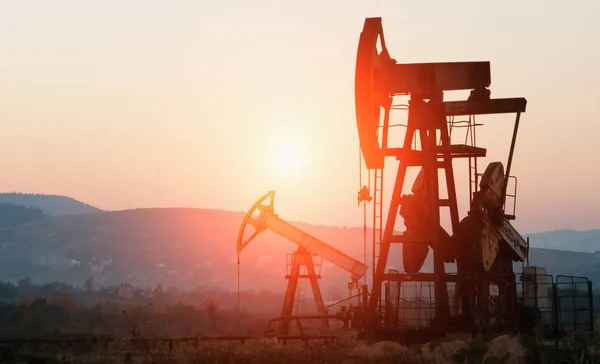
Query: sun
[[289, 159]]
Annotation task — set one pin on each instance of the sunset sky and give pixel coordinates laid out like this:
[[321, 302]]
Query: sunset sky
[[97, 97]]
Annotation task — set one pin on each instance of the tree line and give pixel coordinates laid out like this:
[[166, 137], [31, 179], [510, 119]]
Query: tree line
[[13, 215]]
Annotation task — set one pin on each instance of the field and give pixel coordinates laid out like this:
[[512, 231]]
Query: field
[[503, 349], [57, 323]]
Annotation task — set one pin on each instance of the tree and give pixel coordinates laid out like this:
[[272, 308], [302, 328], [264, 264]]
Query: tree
[[211, 308], [89, 284], [8, 291], [25, 283]]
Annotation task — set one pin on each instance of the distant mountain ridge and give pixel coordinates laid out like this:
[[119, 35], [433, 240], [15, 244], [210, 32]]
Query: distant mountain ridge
[[187, 248], [52, 205], [57, 238], [572, 240]]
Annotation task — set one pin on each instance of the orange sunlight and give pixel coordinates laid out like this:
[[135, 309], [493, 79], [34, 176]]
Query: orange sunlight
[[288, 158]]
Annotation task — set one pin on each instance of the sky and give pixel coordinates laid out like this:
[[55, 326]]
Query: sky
[[198, 104]]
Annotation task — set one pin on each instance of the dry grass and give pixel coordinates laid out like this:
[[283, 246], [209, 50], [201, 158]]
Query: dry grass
[[347, 350], [443, 353], [378, 350], [507, 348]]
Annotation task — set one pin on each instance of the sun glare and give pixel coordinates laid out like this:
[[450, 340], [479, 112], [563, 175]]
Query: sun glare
[[289, 159]]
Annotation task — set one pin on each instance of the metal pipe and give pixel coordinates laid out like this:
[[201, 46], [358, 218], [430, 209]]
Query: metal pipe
[[510, 157], [344, 300], [312, 244]]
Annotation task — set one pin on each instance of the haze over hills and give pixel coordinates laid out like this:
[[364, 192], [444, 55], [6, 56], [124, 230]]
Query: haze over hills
[[52, 205], [188, 247], [177, 246], [573, 240], [13, 215], [56, 205]]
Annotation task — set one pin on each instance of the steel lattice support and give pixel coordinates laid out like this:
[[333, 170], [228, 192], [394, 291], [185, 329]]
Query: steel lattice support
[[302, 267], [484, 244], [426, 120], [261, 216]]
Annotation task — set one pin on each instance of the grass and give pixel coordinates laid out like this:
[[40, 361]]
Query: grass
[[504, 349]]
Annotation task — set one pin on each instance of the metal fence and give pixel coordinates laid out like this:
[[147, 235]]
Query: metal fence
[[408, 304], [554, 307], [565, 307], [575, 305]]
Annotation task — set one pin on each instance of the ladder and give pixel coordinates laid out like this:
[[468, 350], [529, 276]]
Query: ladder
[[377, 215], [301, 293], [470, 140]]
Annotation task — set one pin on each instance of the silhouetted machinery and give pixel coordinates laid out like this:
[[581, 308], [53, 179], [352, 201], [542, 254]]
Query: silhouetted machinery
[[481, 294], [261, 217]]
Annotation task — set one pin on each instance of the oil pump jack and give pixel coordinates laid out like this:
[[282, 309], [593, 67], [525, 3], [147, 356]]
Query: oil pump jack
[[261, 217], [484, 244]]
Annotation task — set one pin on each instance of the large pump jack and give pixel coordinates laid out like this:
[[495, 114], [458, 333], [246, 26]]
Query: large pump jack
[[262, 217], [484, 244]]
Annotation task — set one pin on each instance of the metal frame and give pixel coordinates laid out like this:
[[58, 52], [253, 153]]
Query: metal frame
[[262, 217], [564, 305], [301, 268], [378, 79]]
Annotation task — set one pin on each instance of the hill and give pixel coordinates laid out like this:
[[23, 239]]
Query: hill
[[176, 246], [52, 205], [13, 215], [568, 263], [188, 248], [583, 241]]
